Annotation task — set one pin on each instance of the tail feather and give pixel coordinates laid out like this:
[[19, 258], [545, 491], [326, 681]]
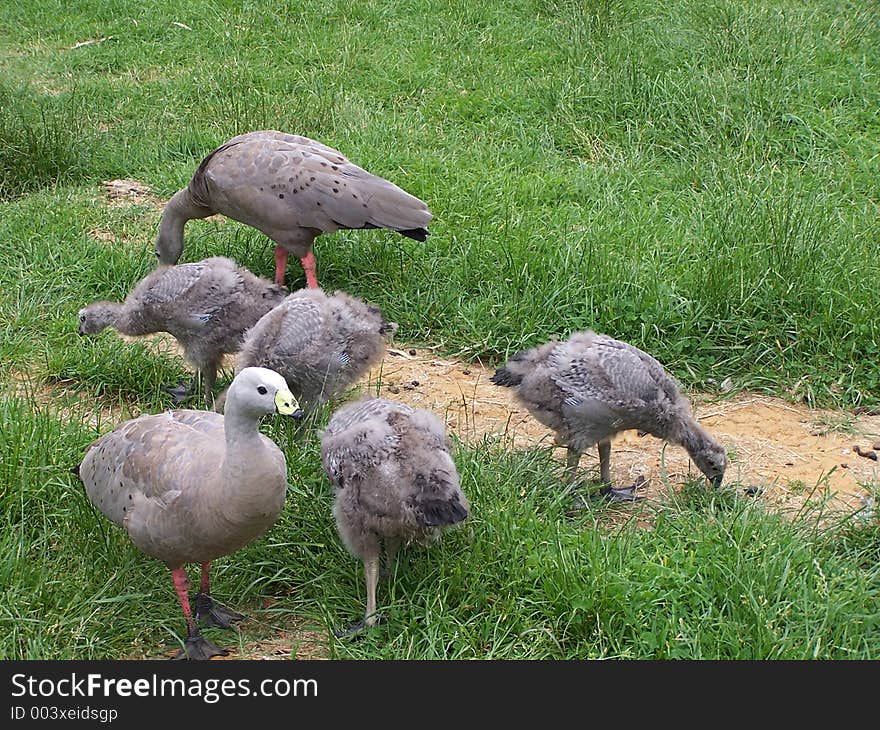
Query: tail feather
[[505, 377], [441, 512], [417, 234]]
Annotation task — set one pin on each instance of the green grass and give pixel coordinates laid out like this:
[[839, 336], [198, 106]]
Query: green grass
[[698, 178], [716, 577]]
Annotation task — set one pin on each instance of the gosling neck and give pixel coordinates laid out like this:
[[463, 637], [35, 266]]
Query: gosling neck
[[691, 435], [109, 314]]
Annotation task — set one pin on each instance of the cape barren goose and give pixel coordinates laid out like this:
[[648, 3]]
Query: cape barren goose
[[394, 480], [207, 306], [293, 189], [320, 343], [191, 486], [591, 387]]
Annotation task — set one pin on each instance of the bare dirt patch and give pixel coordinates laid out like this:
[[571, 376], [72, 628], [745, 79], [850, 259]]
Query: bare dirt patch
[[130, 192], [66, 402], [262, 636]]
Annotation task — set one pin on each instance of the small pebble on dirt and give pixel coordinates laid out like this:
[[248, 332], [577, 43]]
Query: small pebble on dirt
[[411, 385], [876, 446], [867, 454], [465, 372], [412, 352], [752, 491], [394, 389], [844, 465]]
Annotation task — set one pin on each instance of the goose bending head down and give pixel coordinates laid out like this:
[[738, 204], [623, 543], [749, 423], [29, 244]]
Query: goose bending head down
[[591, 387], [292, 189], [394, 481], [191, 486]]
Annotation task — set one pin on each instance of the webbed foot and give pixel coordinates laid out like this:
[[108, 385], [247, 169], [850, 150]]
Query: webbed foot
[[209, 612], [198, 648], [614, 494], [180, 393], [358, 628]]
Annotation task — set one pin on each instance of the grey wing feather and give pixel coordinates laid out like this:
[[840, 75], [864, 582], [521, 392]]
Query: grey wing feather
[[277, 180], [174, 284], [607, 370], [302, 321], [119, 469], [359, 437], [363, 410], [346, 455], [336, 193]]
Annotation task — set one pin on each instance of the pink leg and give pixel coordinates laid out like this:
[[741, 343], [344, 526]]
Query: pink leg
[[205, 586], [280, 264], [197, 647], [310, 266], [208, 610], [181, 585]]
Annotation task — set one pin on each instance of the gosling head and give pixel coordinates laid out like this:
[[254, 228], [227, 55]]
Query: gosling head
[[711, 459], [97, 317], [260, 391]]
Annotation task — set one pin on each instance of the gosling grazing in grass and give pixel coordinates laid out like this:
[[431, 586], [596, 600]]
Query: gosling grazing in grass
[[320, 343], [394, 480], [591, 386], [190, 486], [207, 306], [292, 189]]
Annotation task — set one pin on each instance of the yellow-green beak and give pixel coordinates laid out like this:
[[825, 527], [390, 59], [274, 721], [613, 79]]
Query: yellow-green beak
[[286, 404]]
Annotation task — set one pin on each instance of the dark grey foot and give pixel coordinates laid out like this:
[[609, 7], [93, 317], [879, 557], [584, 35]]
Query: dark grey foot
[[605, 494], [211, 613], [612, 494], [180, 393], [358, 628], [197, 647]]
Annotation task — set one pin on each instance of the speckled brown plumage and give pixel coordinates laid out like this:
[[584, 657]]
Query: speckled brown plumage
[[293, 189], [207, 306], [591, 386], [394, 480]]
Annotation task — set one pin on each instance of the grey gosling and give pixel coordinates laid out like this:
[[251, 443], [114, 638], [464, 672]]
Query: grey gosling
[[320, 343], [394, 480], [591, 386], [207, 306], [191, 486], [293, 189]]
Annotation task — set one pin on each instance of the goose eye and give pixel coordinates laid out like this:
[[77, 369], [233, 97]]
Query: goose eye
[[261, 390], [82, 318]]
